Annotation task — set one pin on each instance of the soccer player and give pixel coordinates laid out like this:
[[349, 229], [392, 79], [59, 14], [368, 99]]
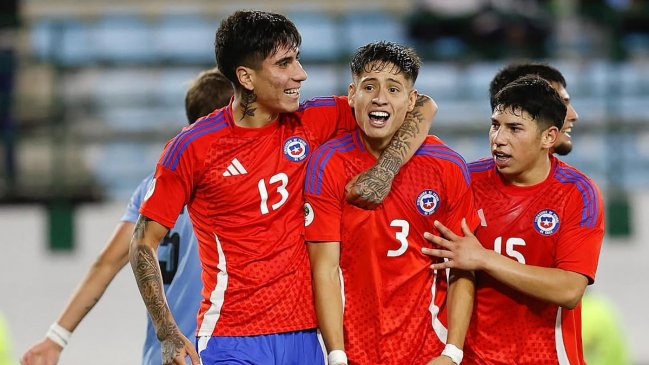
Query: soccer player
[[513, 71], [539, 239], [177, 253], [240, 171], [393, 308]]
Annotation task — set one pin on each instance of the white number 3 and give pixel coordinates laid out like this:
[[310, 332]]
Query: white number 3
[[402, 237]]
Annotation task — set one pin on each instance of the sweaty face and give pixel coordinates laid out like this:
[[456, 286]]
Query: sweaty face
[[277, 82], [519, 149], [380, 98], [563, 146]]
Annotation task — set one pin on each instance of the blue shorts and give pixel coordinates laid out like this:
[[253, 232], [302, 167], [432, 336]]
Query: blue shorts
[[288, 348]]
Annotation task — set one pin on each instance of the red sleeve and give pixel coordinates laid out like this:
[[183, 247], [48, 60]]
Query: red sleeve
[[172, 183], [325, 117], [323, 195], [582, 232]]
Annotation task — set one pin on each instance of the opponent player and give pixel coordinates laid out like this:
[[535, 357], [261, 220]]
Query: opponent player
[[513, 71], [539, 240], [177, 254], [241, 172], [394, 307]]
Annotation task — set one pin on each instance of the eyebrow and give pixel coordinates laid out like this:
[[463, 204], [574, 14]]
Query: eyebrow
[[285, 59], [375, 79]]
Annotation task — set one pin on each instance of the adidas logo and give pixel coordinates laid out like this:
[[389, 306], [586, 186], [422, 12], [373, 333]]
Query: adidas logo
[[235, 168]]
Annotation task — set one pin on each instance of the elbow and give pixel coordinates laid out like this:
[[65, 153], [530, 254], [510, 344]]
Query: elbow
[[572, 297]]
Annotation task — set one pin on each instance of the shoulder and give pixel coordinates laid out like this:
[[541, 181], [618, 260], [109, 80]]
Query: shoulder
[[585, 193], [336, 147], [196, 136], [321, 102], [436, 148], [572, 178]]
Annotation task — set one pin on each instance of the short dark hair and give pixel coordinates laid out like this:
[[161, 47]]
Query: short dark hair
[[384, 53], [210, 90], [246, 38], [516, 70], [535, 96]]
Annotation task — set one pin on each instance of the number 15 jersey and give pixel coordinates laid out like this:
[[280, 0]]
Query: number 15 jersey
[[243, 189], [557, 223]]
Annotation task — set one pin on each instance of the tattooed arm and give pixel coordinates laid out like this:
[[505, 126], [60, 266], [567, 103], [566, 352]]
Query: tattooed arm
[[144, 262], [368, 189]]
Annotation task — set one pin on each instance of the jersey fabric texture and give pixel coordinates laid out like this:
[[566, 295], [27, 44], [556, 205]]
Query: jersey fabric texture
[[557, 223], [289, 348], [243, 189], [394, 304], [181, 272]]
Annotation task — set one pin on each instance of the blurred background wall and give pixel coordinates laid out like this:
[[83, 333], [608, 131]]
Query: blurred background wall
[[90, 92]]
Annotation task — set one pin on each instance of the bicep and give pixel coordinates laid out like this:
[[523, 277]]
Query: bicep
[[148, 232]]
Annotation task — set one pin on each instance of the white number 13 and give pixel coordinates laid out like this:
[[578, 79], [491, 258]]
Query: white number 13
[[281, 189]]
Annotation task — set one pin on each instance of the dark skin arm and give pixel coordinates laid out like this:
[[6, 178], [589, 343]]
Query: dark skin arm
[[368, 189], [144, 262]]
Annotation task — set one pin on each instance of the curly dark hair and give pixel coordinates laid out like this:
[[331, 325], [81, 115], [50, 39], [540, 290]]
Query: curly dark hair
[[386, 54], [247, 37], [535, 96], [517, 70]]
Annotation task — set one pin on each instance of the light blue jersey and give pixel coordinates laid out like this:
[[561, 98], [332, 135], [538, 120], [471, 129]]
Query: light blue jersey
[[181, 273]]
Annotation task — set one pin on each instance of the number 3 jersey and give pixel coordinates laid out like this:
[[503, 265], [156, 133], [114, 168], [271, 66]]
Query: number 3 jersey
[[394, 304], [243, 188], [557, 223]]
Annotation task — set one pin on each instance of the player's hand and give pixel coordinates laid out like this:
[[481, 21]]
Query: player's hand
[[463, 252], [176, 348], [46, 352], [441, 360], [368, 189]]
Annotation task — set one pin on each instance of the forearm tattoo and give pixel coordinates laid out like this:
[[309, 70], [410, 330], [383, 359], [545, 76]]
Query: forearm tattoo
[[249, 98], [149, 280], [374, 184]]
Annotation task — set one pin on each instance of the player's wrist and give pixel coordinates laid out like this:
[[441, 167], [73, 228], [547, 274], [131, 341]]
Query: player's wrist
[[336, 357], [58, 335], [454, 353]]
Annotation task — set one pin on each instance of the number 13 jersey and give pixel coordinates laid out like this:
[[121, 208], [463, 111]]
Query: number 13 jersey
[[243, 188]]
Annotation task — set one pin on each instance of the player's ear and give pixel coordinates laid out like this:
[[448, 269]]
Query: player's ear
[[549, 137], [351, 91], [412, 99], [246, 77]]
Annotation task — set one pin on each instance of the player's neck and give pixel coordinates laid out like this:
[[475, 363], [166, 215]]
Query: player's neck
[[251, 115], [533, 175], [374, 146]]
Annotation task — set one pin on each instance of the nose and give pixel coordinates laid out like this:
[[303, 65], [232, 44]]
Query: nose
[[497, 138], [300, 75], [380, 98], [571, 114]]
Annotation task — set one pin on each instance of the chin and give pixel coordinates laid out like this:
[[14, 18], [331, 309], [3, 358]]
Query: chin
[[563, 149]]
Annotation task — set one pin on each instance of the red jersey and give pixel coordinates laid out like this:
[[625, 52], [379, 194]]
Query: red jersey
[[243, 188], [394, 304], [557, 223]]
